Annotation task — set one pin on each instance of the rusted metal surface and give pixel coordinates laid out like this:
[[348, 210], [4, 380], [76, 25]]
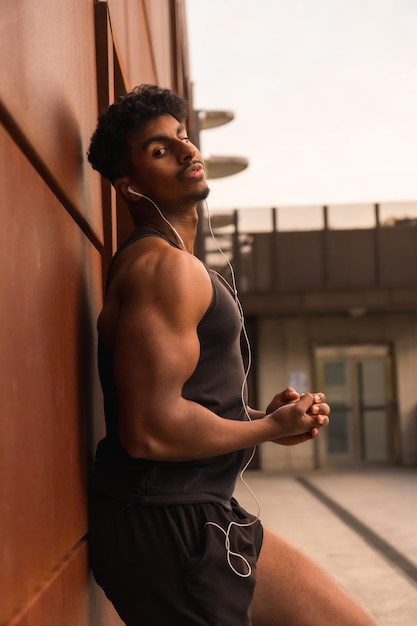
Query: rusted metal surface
[[54, 249], [69, 597], [142, 37], [48, 87], [50, 288]]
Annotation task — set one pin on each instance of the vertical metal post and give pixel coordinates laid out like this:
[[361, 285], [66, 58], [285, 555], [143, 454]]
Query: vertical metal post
[[274, 219], [275, 251], [325, 248], [377, 247], [326, 218]]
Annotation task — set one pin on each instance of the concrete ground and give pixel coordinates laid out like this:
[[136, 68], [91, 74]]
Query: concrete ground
[[360, 525]]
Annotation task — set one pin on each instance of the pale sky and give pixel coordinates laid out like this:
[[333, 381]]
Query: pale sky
[[324, 94]]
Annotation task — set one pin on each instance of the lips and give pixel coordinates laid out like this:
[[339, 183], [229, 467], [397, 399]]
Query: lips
[[194, 170]]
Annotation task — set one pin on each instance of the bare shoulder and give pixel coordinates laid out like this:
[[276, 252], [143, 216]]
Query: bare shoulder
[[152, 277], [157, 270]]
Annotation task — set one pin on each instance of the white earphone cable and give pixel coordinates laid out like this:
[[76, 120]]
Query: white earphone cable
[[233, 288]]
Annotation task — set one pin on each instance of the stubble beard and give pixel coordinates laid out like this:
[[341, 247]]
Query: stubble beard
[[198, 196]]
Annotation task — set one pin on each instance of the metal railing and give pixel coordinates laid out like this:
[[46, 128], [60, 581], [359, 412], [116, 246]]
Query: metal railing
[[343, 247]]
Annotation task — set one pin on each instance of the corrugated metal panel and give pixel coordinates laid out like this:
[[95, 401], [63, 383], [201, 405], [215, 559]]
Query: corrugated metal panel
[[48, 87], [69, 598], [50, 288], [142, 36], [52, 240]]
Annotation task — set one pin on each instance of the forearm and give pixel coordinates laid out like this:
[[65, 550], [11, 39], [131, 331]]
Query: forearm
[[254, 414], [190, 431]]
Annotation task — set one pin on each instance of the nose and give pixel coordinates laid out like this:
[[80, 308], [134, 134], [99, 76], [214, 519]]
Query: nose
[[186, 150]]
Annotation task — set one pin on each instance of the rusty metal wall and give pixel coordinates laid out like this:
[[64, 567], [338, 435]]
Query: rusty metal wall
[[58, 230]]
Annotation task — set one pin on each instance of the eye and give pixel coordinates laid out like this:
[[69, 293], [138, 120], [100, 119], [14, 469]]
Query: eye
[[186, 139], [160, 152]]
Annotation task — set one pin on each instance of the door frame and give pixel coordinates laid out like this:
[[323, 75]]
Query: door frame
[[357, 353]]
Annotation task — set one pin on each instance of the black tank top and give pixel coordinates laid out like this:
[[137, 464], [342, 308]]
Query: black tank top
[[216, 383]]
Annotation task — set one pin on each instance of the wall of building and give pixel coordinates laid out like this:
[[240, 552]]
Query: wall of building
[[285, 355], [60, 64]]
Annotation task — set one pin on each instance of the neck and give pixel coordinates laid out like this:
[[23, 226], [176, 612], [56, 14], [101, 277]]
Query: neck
[[180, 229]]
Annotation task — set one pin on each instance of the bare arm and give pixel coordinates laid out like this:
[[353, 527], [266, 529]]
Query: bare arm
[[161, 299]]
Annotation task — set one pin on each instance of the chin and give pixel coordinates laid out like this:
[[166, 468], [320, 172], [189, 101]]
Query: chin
[[201, 195]]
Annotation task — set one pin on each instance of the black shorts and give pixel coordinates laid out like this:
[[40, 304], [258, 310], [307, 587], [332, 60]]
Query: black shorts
[[170, 566]]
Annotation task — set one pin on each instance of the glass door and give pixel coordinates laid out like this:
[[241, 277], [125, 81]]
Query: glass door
[[339, 387], [373, 409], [357, 384]]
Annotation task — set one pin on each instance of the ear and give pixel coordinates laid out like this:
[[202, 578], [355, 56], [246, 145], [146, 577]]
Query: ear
[[122, 186]]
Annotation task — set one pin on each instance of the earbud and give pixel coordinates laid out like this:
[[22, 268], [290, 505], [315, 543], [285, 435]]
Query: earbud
[[135, 193]]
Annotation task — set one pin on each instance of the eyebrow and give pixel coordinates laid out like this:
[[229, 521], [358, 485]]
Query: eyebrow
[[158, 138]]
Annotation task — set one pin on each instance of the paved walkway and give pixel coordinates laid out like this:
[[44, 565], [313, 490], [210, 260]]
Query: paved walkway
[[360, 525]]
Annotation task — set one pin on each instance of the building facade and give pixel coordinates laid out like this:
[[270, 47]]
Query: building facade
[[61, 63], [332, 308]]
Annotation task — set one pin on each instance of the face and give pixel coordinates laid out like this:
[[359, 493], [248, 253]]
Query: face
[[167, 167]]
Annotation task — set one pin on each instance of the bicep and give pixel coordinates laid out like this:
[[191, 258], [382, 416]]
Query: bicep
[[153, 355], [151, 364], [156, 347]]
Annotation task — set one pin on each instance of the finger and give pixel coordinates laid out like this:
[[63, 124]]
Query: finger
[[319, 397], [322, 420], [311, 434], [317, 409], [305, 401], [314, 433], [290, 393]]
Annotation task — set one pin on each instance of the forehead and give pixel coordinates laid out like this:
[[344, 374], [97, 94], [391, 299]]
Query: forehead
[[157, 129]]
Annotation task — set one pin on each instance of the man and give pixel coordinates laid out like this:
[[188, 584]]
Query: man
[[169, 544]]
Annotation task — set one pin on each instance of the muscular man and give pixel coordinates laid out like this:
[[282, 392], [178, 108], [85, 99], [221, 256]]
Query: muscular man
[[169, 544]]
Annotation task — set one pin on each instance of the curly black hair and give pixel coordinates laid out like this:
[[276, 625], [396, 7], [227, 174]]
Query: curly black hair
[[109, 149]]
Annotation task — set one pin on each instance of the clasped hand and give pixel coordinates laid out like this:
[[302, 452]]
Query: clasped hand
[[301, 415]]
